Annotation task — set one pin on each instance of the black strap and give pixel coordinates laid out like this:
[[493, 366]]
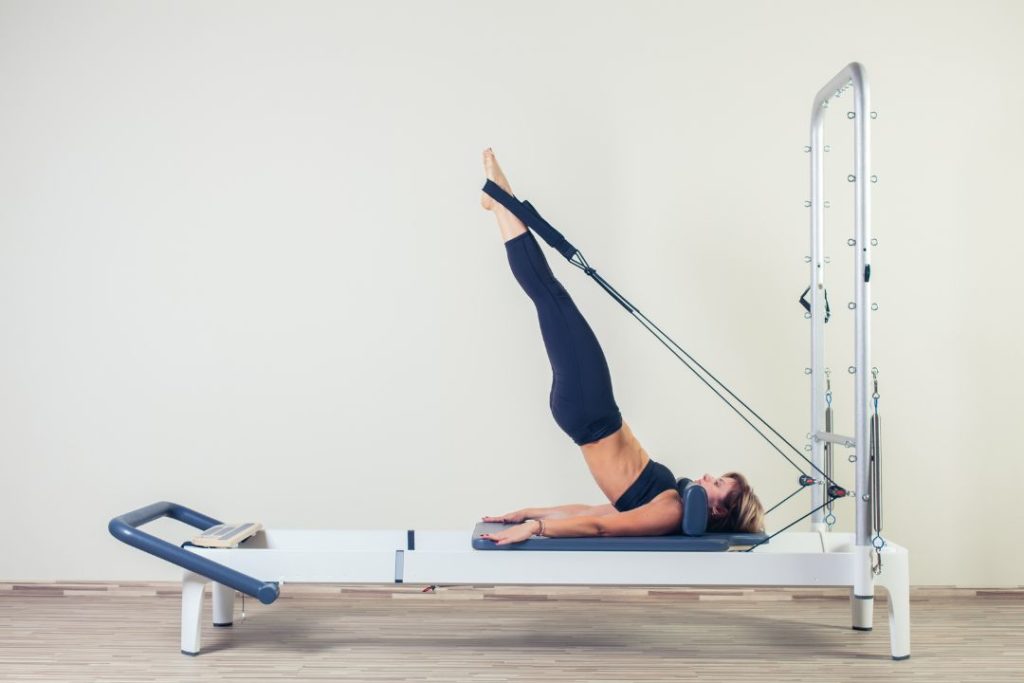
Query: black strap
[[807, 304], [525, 212]]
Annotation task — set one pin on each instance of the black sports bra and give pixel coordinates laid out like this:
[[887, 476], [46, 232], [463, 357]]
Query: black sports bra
[[653, 479]]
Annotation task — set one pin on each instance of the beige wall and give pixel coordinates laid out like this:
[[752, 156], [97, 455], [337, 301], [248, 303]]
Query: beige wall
[[243, 265]]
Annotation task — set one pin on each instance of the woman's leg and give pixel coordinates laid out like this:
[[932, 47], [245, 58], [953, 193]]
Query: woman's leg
[[581, 398]]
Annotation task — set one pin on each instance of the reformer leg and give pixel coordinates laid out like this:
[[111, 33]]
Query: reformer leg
[[895, 578], [192, 586], [862, 610], [223, 605], [862, 595]]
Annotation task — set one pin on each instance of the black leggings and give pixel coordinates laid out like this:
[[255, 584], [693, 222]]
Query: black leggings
[[581, 397]]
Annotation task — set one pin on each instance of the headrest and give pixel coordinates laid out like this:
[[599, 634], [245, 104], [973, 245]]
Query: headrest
[[695, 507]]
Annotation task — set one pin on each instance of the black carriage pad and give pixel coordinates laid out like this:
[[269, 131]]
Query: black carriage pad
[[672, 543]]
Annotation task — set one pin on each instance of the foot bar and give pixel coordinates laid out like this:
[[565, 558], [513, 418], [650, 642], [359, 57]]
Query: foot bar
[[125, 529]]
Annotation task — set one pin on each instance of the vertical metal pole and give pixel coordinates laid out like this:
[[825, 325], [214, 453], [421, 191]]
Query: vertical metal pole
[[817, 305], [862, 287]]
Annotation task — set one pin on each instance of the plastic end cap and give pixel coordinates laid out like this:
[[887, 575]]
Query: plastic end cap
[[267, 593]]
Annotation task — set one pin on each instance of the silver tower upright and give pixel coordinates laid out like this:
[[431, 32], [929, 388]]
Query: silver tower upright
[[852, 75]]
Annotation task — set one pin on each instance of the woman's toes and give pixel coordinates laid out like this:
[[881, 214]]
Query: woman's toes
[[493, 171]]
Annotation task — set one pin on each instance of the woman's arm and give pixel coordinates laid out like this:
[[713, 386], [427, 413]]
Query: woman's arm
[[569, 511], [556, 512], [660, 516], [653, 519]]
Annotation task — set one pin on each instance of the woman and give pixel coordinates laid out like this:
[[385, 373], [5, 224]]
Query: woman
[[643, 492]]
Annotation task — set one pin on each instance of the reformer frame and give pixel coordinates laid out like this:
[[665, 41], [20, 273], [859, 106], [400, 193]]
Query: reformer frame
[[816, 558]]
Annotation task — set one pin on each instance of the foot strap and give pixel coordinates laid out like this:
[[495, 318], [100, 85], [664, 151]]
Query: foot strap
[[525, 212]]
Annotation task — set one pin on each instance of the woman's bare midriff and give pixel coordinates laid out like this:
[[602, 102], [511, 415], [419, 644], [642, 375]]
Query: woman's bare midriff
[[615, 461]]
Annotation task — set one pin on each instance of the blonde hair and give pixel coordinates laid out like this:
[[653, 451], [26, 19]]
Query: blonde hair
[[743, 509]]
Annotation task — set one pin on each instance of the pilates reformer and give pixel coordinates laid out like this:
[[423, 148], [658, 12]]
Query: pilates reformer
[[818, 557]]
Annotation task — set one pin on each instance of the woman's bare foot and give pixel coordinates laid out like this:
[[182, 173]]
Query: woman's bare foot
[[510, 225], [494, 174]]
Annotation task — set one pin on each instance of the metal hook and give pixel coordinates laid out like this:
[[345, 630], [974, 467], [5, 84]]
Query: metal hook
[[874, 307], [874, 114], [807, 148], [851, 115], [807, 371], [851, 242], [852, 369], [874, 179], [851, 305], [874, 241], [807, 203], [851, 178]]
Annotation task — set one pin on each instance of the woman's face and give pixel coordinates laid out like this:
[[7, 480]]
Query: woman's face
[[717, 489]]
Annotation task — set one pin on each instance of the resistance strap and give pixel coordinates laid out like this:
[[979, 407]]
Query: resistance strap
[[525, 212]]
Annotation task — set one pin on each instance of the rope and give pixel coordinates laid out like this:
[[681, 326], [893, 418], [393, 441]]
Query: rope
[[784, 500], [525, 212], [661, 336], [760, 543]]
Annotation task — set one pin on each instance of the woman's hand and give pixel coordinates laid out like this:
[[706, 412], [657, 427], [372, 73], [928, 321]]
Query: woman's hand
[[510, 517], [516, 534]]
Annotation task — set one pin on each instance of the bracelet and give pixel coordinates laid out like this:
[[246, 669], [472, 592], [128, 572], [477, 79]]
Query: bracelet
[[540, 531]]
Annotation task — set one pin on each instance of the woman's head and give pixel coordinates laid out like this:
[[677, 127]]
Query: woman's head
[[732, 504]]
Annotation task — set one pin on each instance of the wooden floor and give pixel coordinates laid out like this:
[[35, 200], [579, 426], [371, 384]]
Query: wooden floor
[[130, 632]]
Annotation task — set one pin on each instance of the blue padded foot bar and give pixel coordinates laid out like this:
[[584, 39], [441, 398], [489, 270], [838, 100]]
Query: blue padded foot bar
[[673, 543]]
